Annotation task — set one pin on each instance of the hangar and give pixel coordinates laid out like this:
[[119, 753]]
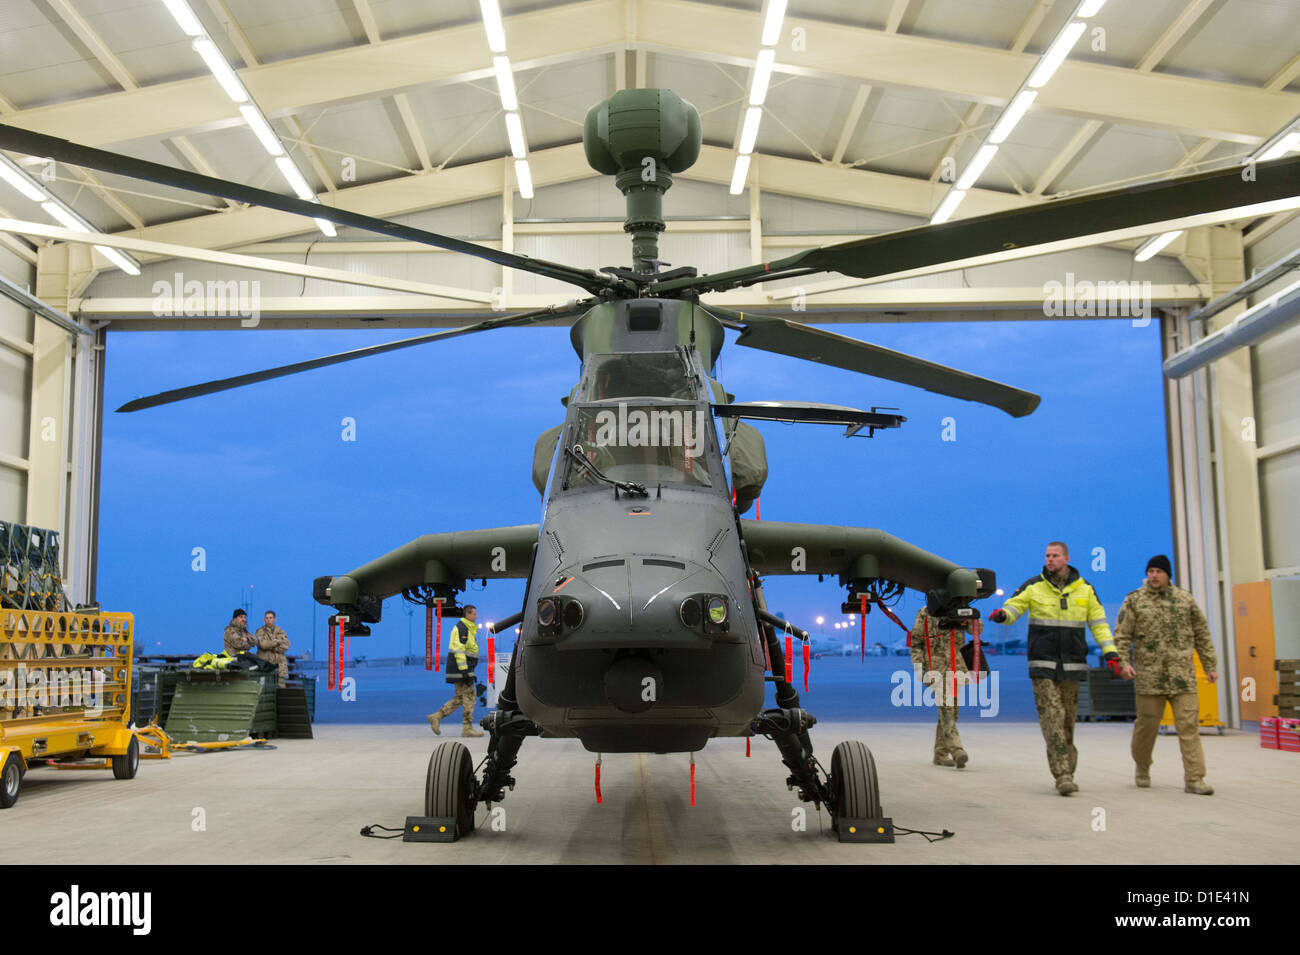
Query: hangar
[[848, 121]]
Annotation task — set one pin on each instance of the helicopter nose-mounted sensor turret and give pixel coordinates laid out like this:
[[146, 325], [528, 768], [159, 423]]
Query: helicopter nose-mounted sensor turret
[[642, 137]]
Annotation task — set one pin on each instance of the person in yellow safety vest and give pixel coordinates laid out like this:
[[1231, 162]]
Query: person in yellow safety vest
[[462, 658], [1062, 607]]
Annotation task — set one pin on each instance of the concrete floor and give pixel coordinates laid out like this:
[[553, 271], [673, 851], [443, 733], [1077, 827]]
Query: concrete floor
[[305, 801]]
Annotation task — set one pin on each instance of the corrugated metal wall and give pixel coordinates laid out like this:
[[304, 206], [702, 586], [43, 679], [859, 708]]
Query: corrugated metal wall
[[1276, 373], [15, 390]]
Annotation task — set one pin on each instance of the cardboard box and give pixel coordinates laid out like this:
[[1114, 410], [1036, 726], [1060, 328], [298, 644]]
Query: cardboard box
[[1268, 737]]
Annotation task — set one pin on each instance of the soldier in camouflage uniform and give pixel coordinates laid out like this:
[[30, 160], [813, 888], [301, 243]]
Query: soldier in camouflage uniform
[[237, 637], [273, 644], [933, 651], [1163, 626]]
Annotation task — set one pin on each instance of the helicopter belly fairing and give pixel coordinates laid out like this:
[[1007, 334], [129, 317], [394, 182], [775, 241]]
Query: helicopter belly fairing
[[619, 647]]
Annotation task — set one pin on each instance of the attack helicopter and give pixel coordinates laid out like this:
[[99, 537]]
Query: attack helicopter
[[644, 626]]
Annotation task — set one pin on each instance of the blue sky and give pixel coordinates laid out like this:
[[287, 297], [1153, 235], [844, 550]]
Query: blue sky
[[262, 480]]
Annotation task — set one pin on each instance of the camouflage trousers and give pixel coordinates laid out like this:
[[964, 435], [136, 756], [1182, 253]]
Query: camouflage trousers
[[1057, 702], [1187, 719], [464, 696], [946, 738]]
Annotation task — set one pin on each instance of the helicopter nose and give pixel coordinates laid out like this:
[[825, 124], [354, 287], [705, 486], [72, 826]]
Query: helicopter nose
[[633, 684], [636, 602]]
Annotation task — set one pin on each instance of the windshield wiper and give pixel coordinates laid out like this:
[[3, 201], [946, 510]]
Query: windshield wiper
[[628, 487]]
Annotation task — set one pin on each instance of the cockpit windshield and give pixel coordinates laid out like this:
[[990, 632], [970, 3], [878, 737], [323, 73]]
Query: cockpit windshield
[[639, 375], [663, 443]]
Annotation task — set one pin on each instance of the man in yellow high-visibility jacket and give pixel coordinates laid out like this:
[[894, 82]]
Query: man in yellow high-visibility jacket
[[1062, 608], [462, 658]]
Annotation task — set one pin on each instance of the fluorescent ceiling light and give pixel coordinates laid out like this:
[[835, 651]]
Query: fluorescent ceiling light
[[184, 16], [295, 178], [13, 175], [270, 142], [327, 227], [976, 166], [515, 129], [1151, 246], [496, 32], [948, 206], [738, 176], [772, 23], [749, 134], [524, 178], [1090, 8], [505, 83], [1012, 115], [1280, 148], [117, 258], [762, 76], [1056, 53], [70, 221], [221, 70]]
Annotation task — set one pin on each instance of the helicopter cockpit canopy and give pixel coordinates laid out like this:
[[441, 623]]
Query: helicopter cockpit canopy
[[639, 375], [667, 442]]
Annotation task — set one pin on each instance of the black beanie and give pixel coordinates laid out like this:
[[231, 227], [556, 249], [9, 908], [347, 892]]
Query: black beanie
[[239, 612], [1162, 562]]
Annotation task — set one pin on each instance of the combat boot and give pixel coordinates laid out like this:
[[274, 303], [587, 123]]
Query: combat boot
[[1065, 784], [435, 722], [1143, 778], [960, 758], [942, 759], [1199, 787], [469, 730]]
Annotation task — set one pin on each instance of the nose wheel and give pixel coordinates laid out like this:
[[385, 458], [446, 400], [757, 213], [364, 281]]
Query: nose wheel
[[855, 788], [449, 786]]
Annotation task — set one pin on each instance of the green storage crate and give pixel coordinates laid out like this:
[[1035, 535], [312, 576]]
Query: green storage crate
[[212, 707]]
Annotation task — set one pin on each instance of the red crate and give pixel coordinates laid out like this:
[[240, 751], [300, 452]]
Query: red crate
[[1268, 734], [1288, 732]]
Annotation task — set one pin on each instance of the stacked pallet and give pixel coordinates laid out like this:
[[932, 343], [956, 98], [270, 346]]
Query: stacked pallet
[[1287, 699]]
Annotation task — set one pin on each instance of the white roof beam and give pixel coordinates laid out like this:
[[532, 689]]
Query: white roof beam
[[896, 14], [593, 27], [975, 73], [400, 100], [1022, 38], [1183, 23]]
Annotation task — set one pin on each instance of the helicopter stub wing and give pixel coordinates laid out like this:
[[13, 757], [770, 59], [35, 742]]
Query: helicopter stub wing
[[442, 560], [857, 554]]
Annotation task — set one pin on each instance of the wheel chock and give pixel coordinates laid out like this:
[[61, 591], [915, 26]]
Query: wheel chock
[[865, 830], [430, 829]]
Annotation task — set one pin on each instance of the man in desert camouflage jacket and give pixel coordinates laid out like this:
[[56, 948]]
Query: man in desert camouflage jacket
[[1164, 627], [936, 651], [273, 644], [237, 637]]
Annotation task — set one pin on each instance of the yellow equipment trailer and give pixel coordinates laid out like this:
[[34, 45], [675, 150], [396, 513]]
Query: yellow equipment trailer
[[65, 693]]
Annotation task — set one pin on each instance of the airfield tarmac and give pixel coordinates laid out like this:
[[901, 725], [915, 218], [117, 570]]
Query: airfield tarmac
[[306, 800]]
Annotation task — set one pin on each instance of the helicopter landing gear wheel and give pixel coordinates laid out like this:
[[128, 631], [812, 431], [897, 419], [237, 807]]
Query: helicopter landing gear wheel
[[449, 786], [856, 789]]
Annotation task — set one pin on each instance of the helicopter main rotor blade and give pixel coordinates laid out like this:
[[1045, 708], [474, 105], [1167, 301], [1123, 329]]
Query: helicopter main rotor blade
[[51, 147], [1145, 209], [784, 337], [238, 381]]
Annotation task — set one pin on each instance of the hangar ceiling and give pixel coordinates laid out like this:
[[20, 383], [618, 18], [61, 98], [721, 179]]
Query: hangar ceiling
[[391, 107]]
